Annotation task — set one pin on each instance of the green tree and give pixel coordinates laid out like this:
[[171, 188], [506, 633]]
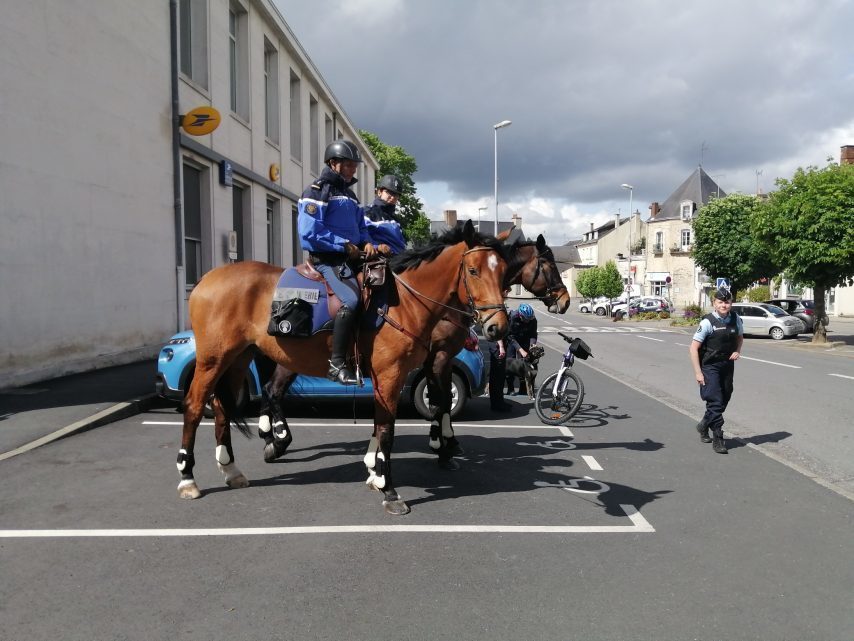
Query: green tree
[[586, 282], [723, 243], [395, 160], [809, 224], [610, 281]]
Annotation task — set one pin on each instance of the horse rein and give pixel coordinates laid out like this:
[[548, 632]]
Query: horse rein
[[472, 315]]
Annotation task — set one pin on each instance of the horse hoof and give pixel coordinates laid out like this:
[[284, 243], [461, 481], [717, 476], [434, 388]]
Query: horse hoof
[[448, 464], [272, 451], [456, 450], [238, 482], [189, 491], [396, 508]]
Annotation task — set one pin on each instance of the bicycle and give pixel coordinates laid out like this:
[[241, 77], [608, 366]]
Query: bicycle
[[560, 395]]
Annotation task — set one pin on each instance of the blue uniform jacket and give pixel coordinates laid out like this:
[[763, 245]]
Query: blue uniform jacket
[[383, 226], [330, 215]]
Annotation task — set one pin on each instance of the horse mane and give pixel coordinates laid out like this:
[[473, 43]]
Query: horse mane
[[412, 258]]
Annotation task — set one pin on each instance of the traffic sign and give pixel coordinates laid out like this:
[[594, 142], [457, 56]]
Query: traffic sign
[[721, 282]]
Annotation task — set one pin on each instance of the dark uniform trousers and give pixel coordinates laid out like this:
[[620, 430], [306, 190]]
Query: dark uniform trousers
[[497, 372], [716, 393]]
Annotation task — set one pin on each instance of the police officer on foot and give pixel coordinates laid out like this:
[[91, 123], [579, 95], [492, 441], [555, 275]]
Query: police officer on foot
[[332, 229], [714, 350]]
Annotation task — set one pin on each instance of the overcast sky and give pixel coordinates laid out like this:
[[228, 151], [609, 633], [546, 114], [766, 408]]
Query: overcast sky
[[600, 93]]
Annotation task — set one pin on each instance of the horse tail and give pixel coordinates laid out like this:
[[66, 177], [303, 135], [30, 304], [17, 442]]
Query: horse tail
[[234, 413]]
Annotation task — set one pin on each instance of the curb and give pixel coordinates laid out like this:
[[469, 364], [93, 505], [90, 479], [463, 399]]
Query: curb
[[117, 412]]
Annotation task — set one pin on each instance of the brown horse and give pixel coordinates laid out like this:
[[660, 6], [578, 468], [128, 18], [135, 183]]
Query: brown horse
[[229, 313], [530, 264]]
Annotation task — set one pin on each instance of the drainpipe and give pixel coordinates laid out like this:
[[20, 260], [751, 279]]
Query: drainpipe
[[180, 279]]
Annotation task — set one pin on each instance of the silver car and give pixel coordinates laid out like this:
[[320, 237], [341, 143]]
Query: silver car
[[762, 319]]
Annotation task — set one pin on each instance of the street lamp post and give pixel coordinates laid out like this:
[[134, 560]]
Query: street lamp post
[[480, 209], [629, 269], [503, 123]]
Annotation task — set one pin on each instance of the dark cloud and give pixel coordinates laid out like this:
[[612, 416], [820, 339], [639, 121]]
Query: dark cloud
[[600, 93]]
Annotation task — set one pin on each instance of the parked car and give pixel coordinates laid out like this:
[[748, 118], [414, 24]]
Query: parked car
[[586, 305], [796, 308], [602, 305], [809, 305], [640, 304], [762, 319], [176, 365]]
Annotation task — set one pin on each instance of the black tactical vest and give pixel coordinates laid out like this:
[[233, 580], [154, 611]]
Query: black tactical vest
[[722, 342]]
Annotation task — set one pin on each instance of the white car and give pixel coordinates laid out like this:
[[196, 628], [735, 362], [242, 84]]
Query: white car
[[600, 308], [762, 319], [586, 306]]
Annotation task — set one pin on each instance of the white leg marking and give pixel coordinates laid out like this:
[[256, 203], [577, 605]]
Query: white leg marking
[[264, 423], [447, 430], [371, 456], [222, 456]]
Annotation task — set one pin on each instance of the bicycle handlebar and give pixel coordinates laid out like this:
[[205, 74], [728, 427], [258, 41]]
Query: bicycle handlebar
[[568, 339]]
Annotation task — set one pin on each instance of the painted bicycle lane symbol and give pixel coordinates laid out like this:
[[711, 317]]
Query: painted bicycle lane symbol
[[578, 485]]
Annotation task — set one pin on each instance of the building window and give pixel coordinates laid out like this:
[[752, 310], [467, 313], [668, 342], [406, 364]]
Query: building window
[[238, 61], [314, 135], [241, 220], [193, 34], [296, 118], [658, 287], [686, 239], [274, 232], [296, 250], [658, 246], [192, 225], [686, 209], [327, 125], [271, 91]]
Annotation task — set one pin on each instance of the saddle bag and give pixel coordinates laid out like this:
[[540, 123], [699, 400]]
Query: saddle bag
[[290, 316]]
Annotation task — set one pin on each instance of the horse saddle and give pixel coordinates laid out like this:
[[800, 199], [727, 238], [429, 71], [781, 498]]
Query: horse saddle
[[304, 304]]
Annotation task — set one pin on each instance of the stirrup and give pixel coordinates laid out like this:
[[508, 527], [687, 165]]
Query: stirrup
[[342, 374]]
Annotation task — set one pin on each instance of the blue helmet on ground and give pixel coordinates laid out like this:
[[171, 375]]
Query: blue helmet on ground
[[526, 311]]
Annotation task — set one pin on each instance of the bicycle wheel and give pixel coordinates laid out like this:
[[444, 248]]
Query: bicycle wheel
[[556, 409]]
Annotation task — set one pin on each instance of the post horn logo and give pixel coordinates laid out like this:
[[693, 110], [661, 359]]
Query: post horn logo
[[200, 121]]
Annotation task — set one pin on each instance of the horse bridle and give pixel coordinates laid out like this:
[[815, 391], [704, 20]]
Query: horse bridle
[[478, 308], [549, 297], [473, 314]]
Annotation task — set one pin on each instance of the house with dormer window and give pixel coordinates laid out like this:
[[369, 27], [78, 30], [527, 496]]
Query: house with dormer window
[[670, 269]]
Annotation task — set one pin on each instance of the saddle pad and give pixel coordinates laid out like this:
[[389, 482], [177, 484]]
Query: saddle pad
[[292, 285]]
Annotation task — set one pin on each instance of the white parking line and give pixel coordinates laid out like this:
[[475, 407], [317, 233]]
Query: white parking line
[[592, 463], [639, 524], [649, 338], [842, 376], [564, 430], [759, 360]]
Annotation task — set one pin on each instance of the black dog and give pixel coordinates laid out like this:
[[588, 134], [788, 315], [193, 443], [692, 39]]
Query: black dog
[[526, 368]]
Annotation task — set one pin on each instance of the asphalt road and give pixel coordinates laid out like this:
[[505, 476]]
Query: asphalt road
[[621, 525], [792, 401]]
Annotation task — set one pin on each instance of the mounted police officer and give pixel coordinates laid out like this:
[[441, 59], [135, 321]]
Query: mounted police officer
[[380, 217], [714, 350], [332, 229]]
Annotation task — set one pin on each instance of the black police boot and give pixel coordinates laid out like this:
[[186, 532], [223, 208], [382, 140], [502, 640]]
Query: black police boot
[[342, 332], [703, 429], [718, 444]]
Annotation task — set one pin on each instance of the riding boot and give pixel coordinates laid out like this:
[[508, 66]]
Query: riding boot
[[342, 333], [718, 444]]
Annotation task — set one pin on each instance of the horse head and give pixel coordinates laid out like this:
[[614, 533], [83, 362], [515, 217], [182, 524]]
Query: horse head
[[533, 266], [481, 283]]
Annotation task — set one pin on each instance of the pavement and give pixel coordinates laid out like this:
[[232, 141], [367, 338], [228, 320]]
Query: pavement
[[40, 413]]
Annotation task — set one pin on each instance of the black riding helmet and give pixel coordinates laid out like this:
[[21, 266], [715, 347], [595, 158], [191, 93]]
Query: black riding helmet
[[342, 149], [391, 183]]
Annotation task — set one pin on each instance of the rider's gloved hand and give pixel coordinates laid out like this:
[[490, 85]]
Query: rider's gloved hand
[[351, 250], [370, 250], [384, 249]]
